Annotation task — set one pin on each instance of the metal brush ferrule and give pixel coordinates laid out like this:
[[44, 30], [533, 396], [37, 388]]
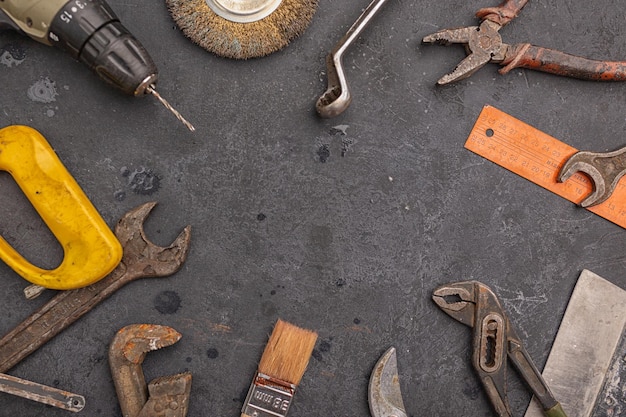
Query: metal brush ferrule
[[268, 397]]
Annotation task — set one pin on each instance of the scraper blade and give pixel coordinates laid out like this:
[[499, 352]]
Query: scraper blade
[[585, 369]]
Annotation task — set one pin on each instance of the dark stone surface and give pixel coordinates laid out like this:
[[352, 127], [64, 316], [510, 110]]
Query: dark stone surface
[[344, 226]]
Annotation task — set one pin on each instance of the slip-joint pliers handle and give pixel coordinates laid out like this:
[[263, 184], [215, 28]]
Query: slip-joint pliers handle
[[494, 340]]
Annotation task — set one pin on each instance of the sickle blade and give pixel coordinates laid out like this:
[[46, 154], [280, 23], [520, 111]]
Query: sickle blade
[[385, 398]]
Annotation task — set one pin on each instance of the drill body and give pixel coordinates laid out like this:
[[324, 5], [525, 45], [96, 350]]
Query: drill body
[[90, 32]]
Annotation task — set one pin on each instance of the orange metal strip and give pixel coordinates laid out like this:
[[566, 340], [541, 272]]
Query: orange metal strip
[[538, 157]]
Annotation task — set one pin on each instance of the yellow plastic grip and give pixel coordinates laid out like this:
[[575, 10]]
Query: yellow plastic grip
[[90, 248]]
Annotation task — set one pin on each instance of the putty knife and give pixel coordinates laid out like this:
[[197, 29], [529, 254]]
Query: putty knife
[[586, 368]]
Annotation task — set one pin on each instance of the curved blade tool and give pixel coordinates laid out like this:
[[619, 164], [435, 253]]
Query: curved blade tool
[[385, 397]]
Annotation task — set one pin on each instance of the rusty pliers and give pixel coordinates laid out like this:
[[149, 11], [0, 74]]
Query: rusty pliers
[[494, 340], [484, 44]]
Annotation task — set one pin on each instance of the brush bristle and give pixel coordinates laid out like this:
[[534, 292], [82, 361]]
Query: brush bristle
[[242, 40], [287, 352]]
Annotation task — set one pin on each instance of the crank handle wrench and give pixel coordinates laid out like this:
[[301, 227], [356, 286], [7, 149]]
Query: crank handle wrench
[[41, 393], [337, 97]]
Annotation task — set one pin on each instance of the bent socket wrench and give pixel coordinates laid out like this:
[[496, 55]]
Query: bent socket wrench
[[337, 98]]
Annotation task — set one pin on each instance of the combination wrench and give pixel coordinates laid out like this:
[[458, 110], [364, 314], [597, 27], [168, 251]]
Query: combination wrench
[[141, 259]]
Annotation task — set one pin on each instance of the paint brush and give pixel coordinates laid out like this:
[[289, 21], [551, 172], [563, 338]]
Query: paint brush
[[282, 365]]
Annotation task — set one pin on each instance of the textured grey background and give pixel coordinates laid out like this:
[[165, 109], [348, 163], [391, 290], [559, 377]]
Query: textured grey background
[[344, 226]]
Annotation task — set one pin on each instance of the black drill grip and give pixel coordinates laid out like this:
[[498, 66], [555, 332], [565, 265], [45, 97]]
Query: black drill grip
[[91, 32]]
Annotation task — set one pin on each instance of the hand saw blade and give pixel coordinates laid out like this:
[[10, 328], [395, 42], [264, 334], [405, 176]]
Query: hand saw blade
[[586, 370]]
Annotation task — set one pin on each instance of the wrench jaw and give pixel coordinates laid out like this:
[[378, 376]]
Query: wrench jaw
[[168, 396], [150, 259], [337, 98], [579, 163], [126, 354], [604, 168]]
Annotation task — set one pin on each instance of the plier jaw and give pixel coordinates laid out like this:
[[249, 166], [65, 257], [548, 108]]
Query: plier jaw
[[483, 45], [458, 300]]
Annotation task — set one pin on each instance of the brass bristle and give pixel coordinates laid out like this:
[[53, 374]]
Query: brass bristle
[[287, 352], [242, 40]]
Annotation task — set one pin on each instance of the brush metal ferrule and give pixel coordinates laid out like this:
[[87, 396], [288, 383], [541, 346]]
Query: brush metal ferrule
[[268, 397]]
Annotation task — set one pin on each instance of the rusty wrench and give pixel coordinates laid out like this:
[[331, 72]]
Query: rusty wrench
[[166, 396], [337, 97], [604, 169], [141, 259]]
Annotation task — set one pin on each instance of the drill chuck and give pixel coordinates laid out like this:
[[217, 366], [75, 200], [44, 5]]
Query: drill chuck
[[91, 32]]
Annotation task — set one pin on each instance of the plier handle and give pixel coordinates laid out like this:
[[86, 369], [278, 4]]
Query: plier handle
[[494, 341], [484, 45]]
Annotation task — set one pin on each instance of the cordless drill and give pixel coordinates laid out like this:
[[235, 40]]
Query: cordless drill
[[91, 32]]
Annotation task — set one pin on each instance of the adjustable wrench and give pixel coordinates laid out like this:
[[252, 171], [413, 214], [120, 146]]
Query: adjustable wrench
[[166, 396], [141, 259]]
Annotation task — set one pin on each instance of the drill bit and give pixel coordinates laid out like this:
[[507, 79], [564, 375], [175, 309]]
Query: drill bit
[[152, 90]]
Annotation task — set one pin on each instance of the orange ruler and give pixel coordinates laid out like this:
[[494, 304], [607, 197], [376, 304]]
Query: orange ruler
[[538, 157]]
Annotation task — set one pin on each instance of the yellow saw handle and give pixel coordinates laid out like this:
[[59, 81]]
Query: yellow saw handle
[[91, 250]]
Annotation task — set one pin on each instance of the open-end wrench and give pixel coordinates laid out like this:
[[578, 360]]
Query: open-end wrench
[[337, 97], [141, 259], [166, 396], [604, 168]]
